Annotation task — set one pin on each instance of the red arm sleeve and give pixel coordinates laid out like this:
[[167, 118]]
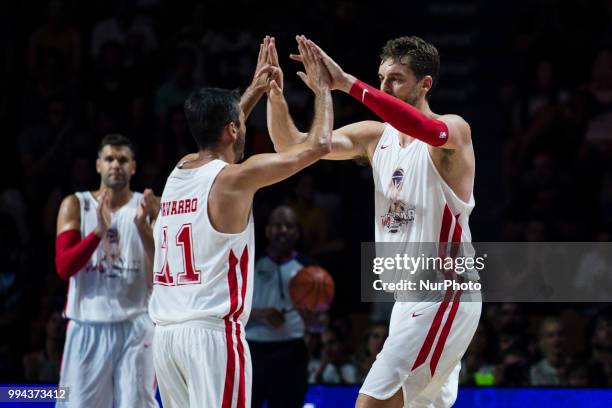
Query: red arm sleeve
[[401, 115], [72, 253]]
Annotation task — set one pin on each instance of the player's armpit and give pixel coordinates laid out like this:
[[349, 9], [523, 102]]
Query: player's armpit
[[459, 132], [357, 140]]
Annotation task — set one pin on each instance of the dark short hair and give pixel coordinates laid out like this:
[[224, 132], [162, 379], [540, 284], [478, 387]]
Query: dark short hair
[[208, 110], [115, 139], [423, 56]]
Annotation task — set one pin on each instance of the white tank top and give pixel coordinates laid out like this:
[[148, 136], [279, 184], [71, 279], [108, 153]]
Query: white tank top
[[413, 203], [112, 287], [200, 274]]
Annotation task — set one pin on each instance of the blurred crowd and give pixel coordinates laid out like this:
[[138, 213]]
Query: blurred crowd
[[71, 73]]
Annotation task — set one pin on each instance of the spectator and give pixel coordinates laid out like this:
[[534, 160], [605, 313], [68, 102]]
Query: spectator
[[477, 367], [43, 366], [334, 366], [176, 89], [276, 330], [58, 35], [551, 369], [123, 28], [372, 345], [600, 361]]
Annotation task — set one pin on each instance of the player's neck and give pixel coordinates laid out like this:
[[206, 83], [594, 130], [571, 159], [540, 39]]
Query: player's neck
[[423, 106], [225, 153], [205, 156], [280, 255]]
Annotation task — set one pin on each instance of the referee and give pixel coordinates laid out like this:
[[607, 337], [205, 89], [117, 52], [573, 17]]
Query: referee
[[275, 331]]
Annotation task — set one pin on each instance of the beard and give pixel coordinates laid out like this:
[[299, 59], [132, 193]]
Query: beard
[[411, 99], [115, 183], [239, 147]]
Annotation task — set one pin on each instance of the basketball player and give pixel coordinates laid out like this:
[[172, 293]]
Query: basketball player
[[423, 165], [204, 239], [105, 248]]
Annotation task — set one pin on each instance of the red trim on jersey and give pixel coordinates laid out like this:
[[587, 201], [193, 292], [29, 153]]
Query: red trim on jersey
[[456, 237], [230, 369], [447, 218], [241, 383], [244, 267], [444, 334], [431, 335], [233, 284]]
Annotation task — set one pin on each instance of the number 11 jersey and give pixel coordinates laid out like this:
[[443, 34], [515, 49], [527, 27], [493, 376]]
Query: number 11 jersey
[[200, 275]]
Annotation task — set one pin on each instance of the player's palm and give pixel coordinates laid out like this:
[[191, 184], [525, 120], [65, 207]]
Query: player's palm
[[335, 72], [260, 79], [276, 74], [316, 77], [103, 214]]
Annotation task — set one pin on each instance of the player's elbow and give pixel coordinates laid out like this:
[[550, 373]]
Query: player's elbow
[[280, 147], [322, 147], [62, 272]]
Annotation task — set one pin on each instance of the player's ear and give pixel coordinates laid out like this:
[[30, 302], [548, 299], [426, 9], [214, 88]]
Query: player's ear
[[426, 83], [98, 165], [232, 130], [133, 167]]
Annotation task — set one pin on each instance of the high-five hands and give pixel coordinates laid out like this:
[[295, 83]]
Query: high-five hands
[[339, 79]]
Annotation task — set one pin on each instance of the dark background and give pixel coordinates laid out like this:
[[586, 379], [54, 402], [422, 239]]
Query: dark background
[[533, 79]]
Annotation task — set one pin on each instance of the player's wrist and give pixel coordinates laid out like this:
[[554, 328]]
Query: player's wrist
[[347, 83], [321, 91], [256, 88], [100, 232]]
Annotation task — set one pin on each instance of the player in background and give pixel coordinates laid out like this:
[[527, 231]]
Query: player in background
[[423, 165], [204, 240], [276, 329], [104, 247]]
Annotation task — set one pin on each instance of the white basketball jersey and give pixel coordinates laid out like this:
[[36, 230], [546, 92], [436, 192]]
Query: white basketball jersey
[[200, 274], [414, 205], [112, 287], [412, 201]]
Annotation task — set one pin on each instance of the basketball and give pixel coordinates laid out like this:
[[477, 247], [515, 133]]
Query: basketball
[[312, 288]]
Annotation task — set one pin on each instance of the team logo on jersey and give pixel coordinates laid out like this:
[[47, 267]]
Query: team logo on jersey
[[400, 213], [86, 205], [112, 261]]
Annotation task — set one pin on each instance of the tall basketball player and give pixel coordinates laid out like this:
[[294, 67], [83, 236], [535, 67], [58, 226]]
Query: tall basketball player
[[104, 247], [423, 165], [204, 240]]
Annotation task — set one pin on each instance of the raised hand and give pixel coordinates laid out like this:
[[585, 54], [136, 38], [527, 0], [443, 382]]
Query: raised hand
[[316, 77], [276, 73], [104, 214], [339, 79], [148, 207], [261, 78], [262, 69]]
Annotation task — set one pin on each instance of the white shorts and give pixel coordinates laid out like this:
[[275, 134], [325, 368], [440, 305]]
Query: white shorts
[[423, 352], [200, 366], [109, 364]]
